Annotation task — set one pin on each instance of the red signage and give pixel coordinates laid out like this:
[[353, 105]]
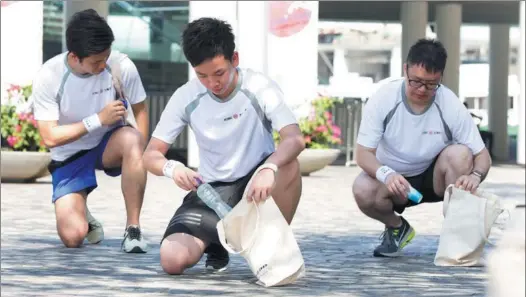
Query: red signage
[[6, 3], [288, 17]]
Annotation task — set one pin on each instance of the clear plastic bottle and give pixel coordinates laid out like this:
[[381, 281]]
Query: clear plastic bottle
[[212, 199]]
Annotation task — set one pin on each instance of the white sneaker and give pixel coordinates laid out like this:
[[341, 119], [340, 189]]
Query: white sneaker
[[133, 241], [95, 231]]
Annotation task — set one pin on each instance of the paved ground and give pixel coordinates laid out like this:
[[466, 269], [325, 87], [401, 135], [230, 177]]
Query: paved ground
[[336, 240]]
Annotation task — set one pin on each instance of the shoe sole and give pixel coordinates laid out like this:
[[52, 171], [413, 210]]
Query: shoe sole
[[136, 250], [404, 243], [213, 270]]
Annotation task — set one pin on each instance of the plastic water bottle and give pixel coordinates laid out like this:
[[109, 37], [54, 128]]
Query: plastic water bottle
[[414, 195], [212, 199]]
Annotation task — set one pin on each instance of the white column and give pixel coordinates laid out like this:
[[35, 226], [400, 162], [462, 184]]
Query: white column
[[448, 22], [521, 151], [227, 11], [499, 36], [414, 23], [21, 46], [293, 59], [395, 63], [339, 63], [252, 38], [71, 7]]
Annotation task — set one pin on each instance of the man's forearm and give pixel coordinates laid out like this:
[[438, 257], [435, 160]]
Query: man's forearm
[[154, 162], [65, 134], [367, 161], [482, 163], [143, 123], [287, 151]]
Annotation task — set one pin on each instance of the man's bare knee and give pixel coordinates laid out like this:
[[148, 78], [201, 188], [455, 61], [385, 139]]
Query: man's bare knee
[[289, 172], [70, 212], [287, 192], [179, 252], [457, 157], [365, 190], [73, 235]]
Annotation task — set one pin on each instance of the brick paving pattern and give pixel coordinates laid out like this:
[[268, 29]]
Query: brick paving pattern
[[335, 237]]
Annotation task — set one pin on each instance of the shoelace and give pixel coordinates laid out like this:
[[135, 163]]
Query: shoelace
[[388, 234], [92, 226], [134, 233]]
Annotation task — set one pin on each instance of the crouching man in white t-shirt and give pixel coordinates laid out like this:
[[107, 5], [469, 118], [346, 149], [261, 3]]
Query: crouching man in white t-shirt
[[81, 122], [232, 113], [415, 132]]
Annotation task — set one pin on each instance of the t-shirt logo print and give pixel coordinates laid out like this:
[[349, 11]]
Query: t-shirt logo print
[[431, 132], [235, 116]]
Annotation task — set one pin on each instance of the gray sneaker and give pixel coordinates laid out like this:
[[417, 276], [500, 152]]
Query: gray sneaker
[[394, 240], [133, 241], [95, 230]]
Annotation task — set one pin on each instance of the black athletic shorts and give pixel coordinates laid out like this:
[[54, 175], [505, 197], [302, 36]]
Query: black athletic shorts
[[424, 184], [194, 217]]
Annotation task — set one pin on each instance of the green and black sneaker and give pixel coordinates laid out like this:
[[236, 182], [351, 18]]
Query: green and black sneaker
[[394, 240]]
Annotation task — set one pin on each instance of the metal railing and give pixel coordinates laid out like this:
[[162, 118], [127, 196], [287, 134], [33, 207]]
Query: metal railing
[[156, 104], [347, 115]]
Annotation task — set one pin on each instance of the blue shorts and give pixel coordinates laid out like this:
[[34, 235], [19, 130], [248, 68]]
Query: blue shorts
[[77, 173]]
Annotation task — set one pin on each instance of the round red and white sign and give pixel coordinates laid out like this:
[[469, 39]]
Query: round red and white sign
[[288, 17]]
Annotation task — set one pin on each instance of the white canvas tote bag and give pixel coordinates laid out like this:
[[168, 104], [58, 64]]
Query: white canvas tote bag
[[468, 219], [261, 235]]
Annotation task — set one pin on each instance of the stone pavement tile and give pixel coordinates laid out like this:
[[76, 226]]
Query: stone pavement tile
[[335, 237]]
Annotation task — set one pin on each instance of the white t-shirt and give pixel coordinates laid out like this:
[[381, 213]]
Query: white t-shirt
[[61, 95], [411, 142], [233, 135]]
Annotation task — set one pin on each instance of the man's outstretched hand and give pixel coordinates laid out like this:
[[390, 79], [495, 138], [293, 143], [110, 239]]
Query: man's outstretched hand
[[262, 185]]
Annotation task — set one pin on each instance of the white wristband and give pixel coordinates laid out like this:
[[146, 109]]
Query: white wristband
[[383, 172], [270, 166], [169, 166], [92, 122]]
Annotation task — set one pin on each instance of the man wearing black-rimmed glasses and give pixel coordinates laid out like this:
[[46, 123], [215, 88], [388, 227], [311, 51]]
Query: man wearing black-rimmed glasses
[[415, 132]]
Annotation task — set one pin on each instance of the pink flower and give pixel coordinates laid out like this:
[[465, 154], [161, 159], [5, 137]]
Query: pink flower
[[34, 123], [308, 139], [22, 116], [328, 115], [18, 128], [321, 129], [12, 140], [14, 88], [336, 131]]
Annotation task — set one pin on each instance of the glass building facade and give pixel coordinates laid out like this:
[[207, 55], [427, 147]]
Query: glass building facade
[[149, 32]]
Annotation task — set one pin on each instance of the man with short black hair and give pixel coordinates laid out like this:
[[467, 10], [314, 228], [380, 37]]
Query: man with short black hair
[[416, 133], [232, 112], [82, 123]]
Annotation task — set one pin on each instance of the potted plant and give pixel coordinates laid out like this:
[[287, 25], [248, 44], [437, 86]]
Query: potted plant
[[321, 136], [24, 155]]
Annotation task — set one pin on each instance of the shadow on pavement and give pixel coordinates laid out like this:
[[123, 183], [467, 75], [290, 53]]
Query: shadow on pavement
[[336, 265]]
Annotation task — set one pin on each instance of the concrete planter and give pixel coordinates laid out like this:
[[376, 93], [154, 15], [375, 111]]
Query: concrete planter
[[312, 160], [24, 166]]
